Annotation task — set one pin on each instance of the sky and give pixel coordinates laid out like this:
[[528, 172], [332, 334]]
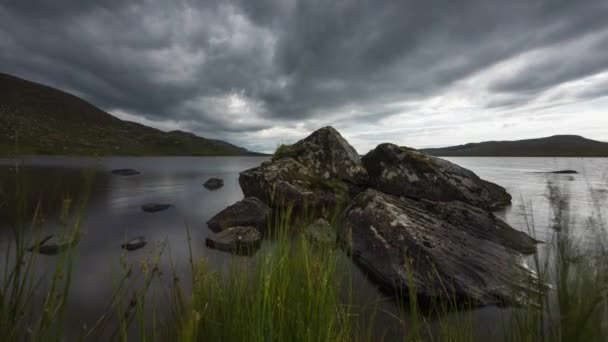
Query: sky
[[419, 73]]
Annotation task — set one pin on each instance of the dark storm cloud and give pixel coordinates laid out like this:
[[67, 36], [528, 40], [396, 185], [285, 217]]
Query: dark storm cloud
[[289, 59]]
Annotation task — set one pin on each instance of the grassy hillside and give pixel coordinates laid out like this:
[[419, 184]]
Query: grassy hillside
[[40, 120], [555, 146]]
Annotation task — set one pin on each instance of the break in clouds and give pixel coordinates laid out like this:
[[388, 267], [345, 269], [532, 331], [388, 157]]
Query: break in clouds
[[259, 73]]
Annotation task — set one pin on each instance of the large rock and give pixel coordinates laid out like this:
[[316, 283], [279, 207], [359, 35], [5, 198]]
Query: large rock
[[402, 171], [238, 240], [247, 212], [325, 153], [286, 182], [437, 246]]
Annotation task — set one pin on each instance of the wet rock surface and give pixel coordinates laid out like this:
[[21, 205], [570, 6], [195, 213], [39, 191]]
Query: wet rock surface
[[214, 183], [248, 212], [476, 256], [402, 171], [238, 240]]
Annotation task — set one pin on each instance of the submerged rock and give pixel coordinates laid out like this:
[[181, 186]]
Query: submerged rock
[[238, 240], [214, 183], [467, 250], [134, 244], [402, 171], [247, 212], [563, 172], [51, 248], [125, 172], [321, 232], [155, 207]]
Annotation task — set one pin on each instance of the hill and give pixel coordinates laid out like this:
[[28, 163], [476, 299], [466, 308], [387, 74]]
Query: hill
[[554, 146], [39, 120]]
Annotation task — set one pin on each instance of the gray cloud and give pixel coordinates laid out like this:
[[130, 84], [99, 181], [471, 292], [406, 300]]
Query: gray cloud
[[294, 62]]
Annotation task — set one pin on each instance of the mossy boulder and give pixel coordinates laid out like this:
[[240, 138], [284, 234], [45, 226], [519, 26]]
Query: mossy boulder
[[320, 171], [403, 171], [326, 154]]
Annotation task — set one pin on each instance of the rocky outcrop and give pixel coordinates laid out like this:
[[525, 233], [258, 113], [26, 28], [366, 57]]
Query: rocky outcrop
[[248, 212], [438, 246], [402, 171], [214, 183], [410, 216], [238, 240], [321, 232], [325, 153], [318, 171]]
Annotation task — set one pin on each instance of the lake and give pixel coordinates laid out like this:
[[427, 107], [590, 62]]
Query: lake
[[113, 211]]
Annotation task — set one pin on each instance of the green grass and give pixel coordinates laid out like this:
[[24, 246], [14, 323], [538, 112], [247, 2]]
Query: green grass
[[293, 290]]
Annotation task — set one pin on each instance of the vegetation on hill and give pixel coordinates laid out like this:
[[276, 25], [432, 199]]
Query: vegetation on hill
[[40, 120], [554, 146]]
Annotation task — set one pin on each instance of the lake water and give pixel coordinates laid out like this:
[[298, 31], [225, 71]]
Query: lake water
[[113, 212]]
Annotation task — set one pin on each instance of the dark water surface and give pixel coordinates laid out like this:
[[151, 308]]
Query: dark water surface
[[113, 213]]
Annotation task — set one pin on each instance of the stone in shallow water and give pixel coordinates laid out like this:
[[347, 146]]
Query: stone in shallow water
[[249, 212], [51, 248], [564, 172], [403, 171], [134, 244], [214, 184], [155, 207], [452, 245], [125, 172], [238, 240]]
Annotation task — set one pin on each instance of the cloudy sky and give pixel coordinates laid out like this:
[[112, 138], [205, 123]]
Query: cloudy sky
[[258, 73]]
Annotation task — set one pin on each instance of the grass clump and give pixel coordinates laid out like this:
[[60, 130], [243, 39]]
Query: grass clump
[[282, 151]]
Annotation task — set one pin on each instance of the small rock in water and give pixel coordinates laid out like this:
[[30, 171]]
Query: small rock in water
[[154, 207], [238, 240], [42, 247], [214, 184], [564, 172], [321, 232], [134, 244], [125, 172]]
